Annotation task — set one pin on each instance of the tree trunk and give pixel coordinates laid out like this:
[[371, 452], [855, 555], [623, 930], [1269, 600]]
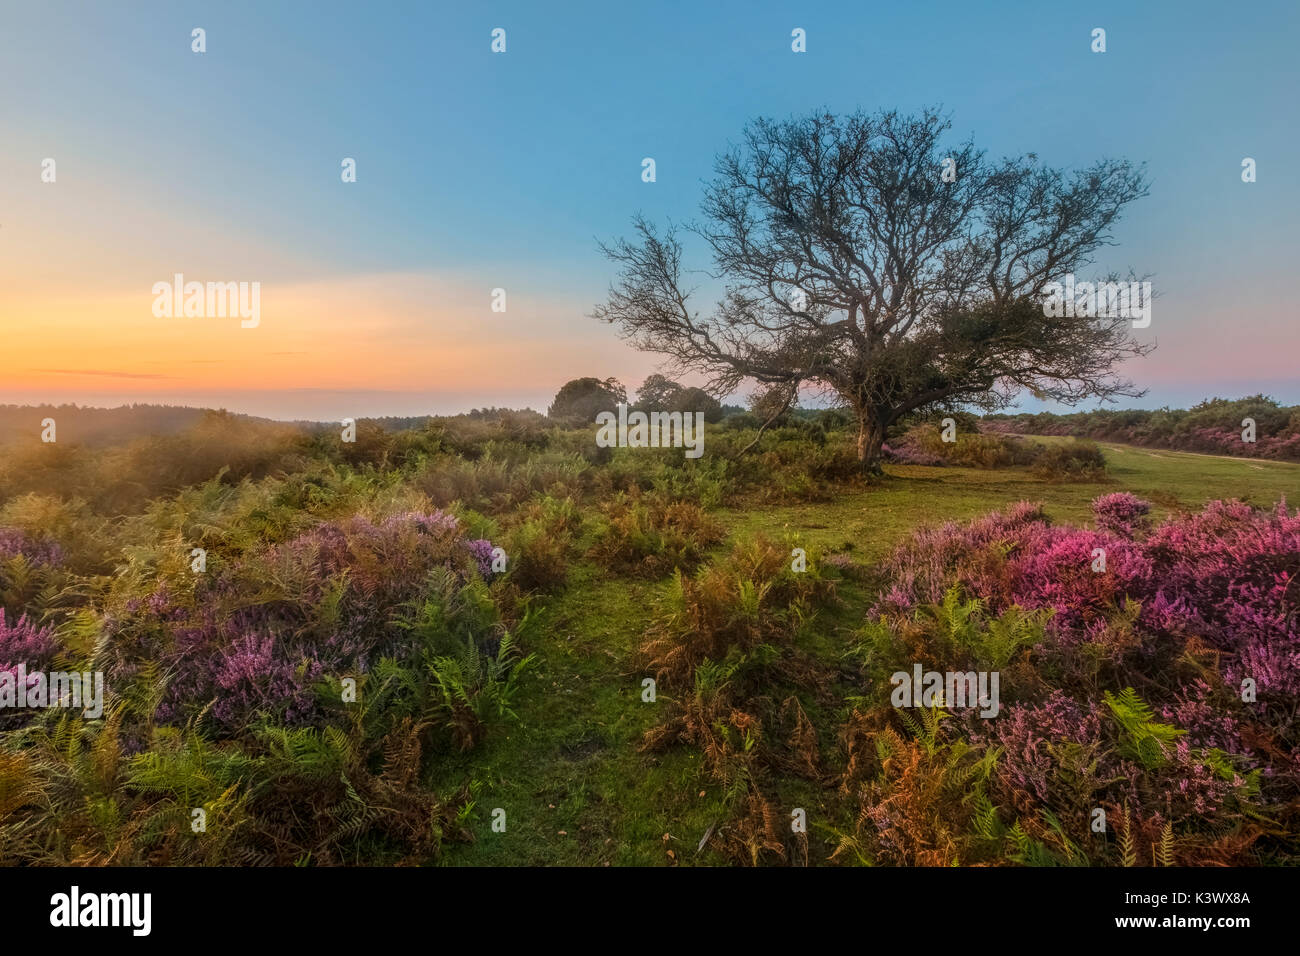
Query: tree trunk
[[871, 435]]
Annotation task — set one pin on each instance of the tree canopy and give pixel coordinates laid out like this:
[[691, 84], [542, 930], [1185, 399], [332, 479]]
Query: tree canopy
[[861, 255], [581, 399]]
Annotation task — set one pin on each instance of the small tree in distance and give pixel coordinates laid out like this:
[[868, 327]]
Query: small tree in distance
[[861, 256], [579, 401], [660, 394], [696, 400], [656, 393]]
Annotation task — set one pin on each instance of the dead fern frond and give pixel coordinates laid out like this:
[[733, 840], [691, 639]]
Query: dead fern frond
[[1164, 850], [1127, 851]]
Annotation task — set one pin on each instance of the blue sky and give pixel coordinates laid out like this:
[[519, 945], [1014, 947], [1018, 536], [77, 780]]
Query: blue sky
[[478, 170]]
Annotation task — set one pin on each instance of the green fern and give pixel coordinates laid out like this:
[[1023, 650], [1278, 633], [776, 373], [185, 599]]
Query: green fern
[[985, 822], [926, 730], [1071, 850], [1027, 851], [1141, 737]]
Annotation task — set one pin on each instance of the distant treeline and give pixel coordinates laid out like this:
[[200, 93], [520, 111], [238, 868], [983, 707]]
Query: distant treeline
[[1218, 426], [97, 427]]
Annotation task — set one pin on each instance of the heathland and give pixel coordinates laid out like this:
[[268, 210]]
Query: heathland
[[487, 640]]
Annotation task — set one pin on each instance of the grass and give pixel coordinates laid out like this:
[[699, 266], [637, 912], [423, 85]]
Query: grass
[[575, 786]]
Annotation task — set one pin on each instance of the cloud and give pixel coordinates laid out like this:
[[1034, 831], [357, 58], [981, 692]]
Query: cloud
[[94, 371]]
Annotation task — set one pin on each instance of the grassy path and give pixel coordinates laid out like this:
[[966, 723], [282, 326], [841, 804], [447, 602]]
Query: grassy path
[[576, 788]]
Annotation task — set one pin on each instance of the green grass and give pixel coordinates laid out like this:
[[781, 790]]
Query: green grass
[[576, 788]]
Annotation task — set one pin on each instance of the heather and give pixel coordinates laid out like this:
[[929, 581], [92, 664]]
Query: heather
[[1159, 691], [244, 666], [1122, 512], [14, 544], [1213, 427], [257, 636], [352, 654], [24, 642]]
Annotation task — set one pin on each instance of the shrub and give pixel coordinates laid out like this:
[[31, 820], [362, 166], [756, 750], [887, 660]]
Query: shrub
[[1075, 460], [14, 543], [750, 597], [537, 549], [651, 536], [924, 443], [259, 632], [24, 642], [1188, 610], [1123, 513], [911, 455]]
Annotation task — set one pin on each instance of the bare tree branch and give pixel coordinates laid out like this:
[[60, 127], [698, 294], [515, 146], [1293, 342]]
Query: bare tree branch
[[851, 261]]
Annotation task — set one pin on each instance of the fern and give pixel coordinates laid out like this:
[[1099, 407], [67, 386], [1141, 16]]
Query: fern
[[1141, 737], [926, 730], [1027, 851], [313, 755], [1164, 850], [1014, 630], [985, 822], [1068, 847], [1127, 852]]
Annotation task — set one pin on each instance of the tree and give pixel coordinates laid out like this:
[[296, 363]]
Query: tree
[[660, 394], [770, 405], [696, 400], [859, 256], [656, 393], [580, 400]]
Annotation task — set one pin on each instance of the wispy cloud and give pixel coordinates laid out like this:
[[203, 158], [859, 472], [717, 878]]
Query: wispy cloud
[[95, 371]]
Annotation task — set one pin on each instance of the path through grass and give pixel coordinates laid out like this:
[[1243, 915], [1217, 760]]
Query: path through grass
[[576, 788]]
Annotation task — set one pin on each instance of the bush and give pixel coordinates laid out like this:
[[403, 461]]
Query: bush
[[1184, 770], [911, 455], [1074, 460], [924, 444], [750, 597], [652, 536], [228, 694], [1123, 513], [538, 548]]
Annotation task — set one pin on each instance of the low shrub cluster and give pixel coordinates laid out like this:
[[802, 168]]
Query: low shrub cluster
[[1155, 691], [728, 650], [923, 444], [1074, 460], [651, 536], [1215, 426], [292, 692]]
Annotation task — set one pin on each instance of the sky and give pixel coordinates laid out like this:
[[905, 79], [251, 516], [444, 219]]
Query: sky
[[478, 171]]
